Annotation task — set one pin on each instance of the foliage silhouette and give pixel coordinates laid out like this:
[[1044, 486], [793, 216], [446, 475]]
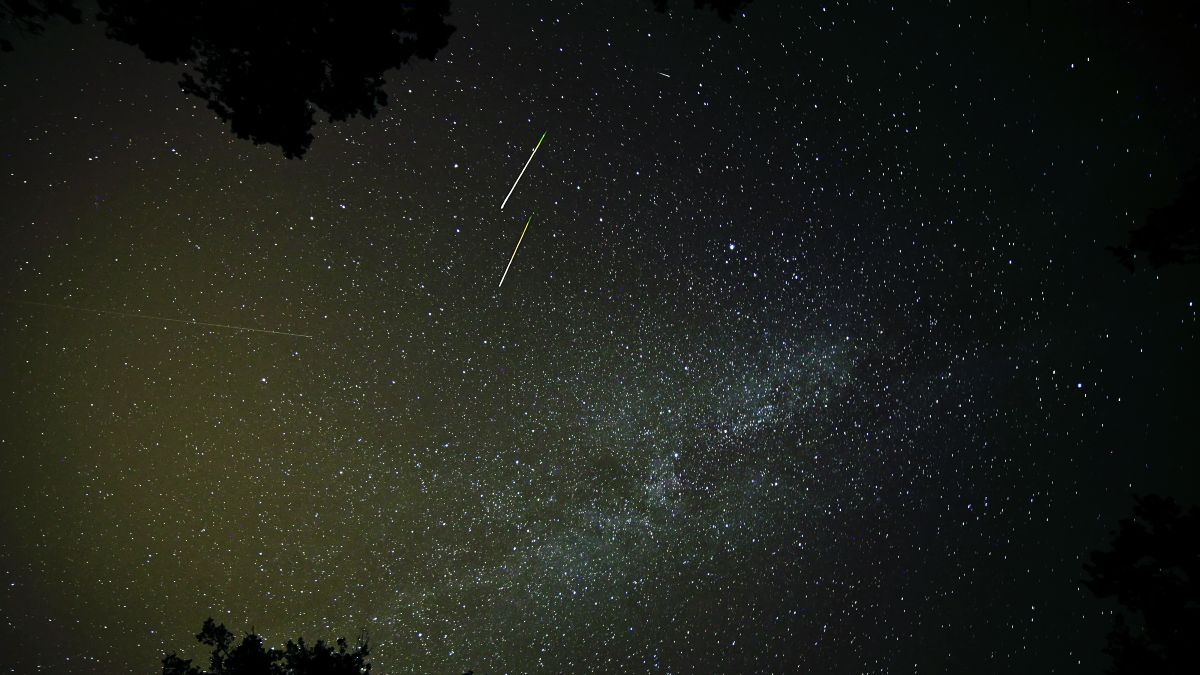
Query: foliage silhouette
[[1170, 235], [267, 67], [1160, 38], [1157, 34], [30, 16], [250, 658], [726, 9], [1153, 571]]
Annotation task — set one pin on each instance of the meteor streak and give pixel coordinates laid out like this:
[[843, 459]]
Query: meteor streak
[[151, 317], [514, 255], [518, 180]]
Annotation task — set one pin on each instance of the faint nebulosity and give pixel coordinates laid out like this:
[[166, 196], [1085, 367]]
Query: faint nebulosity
[[813, 358]]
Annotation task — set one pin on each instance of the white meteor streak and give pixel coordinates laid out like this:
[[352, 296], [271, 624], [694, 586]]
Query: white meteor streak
[[514, 255], [518, 180]]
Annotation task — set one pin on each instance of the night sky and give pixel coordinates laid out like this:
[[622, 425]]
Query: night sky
[[812, 358]]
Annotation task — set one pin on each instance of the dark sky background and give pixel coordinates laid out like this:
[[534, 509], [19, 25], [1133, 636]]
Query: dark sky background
[[812, 358]]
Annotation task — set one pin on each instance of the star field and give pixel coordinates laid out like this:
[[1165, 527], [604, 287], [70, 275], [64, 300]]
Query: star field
[[812, 359]]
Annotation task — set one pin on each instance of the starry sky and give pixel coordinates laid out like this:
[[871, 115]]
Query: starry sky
[[812, 358]]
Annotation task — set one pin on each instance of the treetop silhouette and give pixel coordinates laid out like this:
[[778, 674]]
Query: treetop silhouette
[[1160, 39], [30, 16], [1170, 235], [1153, 571], [250, 658], [725, 9], [266, 68], [269, 68]]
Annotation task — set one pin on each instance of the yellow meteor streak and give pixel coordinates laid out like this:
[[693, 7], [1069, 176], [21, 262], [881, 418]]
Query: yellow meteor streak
[[514, 255], [151, 317]]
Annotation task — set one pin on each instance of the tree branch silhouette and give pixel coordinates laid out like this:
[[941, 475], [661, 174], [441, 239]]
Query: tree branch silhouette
[[267, 68], [1153, 571], [726, 9], [29, 17], [250, 658]]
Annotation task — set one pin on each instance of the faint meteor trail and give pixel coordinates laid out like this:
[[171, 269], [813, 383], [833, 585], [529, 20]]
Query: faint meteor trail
[[664, 74], [151, 317], [518, 180], [514, 255]]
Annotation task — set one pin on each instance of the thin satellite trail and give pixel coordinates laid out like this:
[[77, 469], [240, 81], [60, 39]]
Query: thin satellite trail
[[152, 317], [514, 255], [518, 180]]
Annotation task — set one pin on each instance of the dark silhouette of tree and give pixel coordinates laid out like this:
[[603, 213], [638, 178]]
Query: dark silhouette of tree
[[726, 9], [267, 67], [1158, 34], [30, 16], [1160, 38], [1170, 235], [250, 658], [1153, 571]]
